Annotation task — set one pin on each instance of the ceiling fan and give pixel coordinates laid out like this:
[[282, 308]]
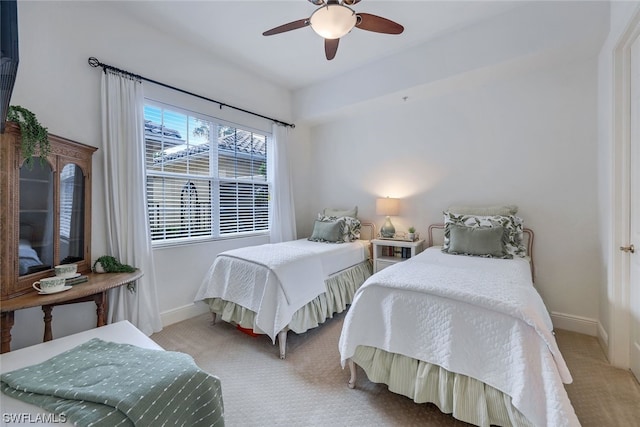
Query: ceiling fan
[[334, 19]]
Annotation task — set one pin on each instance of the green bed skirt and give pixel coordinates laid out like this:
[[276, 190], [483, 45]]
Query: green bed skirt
[[466, 398], [341, 287]]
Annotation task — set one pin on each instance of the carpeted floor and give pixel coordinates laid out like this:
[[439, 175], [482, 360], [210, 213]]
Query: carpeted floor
[[309, 388]]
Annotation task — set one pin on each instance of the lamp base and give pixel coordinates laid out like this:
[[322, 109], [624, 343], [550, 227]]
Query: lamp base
[[387, 229]]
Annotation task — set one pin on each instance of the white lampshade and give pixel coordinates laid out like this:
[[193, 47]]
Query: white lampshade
[[387, 206], [333, 21]]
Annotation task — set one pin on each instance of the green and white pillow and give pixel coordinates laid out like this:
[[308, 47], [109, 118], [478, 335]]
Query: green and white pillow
[[513, 228], [352, 226]]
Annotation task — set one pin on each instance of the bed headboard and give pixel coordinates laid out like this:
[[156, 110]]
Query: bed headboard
[[367, 230], [436, 237]]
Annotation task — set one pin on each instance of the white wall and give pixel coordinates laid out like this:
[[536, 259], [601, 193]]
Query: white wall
[[55, 82], [529, 139], [504, 111]]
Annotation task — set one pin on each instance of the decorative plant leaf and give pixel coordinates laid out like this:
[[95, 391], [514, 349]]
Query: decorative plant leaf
[[35, 137], [112, 265]]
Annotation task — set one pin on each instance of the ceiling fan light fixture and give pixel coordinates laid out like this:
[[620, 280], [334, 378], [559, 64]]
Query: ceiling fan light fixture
[[333, 21]]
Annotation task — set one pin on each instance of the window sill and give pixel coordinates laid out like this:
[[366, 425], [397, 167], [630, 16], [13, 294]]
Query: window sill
[[174, 244]]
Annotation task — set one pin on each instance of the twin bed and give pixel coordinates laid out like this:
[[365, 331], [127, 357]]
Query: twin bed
[[469, 334], [274, 288]]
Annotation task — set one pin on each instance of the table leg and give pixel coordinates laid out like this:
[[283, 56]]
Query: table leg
[[47, 309], [101, 307], [7, 324]]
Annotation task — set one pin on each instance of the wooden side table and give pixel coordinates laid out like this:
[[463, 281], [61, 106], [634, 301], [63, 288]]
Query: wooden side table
[[400, 251], [95, 289]]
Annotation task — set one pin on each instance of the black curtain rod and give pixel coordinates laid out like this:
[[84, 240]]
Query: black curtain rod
[[95, 63]]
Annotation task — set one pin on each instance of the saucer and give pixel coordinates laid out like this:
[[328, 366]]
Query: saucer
[[64, 288], [70, 277]]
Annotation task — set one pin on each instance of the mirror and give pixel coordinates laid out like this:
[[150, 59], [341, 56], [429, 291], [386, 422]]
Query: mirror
[[36, 244], [71, 214]]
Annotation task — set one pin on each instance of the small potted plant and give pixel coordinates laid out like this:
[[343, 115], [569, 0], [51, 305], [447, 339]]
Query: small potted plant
[[411, 235]]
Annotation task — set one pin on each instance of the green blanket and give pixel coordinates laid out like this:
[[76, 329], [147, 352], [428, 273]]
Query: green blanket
[[101, 383]]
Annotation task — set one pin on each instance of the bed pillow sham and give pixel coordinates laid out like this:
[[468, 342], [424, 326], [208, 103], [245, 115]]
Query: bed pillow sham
[[352, 226], [512, 224], [338, 213], [486, 242], [484, 210], [328, 231]]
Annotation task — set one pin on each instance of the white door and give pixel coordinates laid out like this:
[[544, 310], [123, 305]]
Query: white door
[[634, 260]]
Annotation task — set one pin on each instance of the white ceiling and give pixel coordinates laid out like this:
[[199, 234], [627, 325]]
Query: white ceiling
[[232, 31]]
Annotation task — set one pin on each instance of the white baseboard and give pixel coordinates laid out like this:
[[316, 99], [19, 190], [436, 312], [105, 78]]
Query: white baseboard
[[182, 313], [603, 339], [570, 322]]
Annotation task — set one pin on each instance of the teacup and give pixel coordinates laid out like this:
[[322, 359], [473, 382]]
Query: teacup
[[66, 270], [49, 285]]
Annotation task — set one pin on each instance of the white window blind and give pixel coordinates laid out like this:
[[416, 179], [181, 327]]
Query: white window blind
[[205, 178], [71, 211]]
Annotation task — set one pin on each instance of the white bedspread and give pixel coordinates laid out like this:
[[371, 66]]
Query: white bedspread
[[473, 316], [275, 280]]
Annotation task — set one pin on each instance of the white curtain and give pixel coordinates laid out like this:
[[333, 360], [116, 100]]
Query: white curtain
[[282, 215], [128, 236]]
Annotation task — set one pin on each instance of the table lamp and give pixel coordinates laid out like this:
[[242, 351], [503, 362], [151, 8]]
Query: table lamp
[[387, 206]]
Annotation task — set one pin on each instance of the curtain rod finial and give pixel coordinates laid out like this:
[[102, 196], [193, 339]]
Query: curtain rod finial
[[93, 61]]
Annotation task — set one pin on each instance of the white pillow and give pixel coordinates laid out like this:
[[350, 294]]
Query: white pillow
[[484, 210], [353, 213]]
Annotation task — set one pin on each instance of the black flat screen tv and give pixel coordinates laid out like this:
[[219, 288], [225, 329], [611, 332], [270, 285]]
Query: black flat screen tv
[[8, 54]]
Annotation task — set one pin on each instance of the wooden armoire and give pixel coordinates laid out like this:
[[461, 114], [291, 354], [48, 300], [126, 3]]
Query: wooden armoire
[[45, 211]]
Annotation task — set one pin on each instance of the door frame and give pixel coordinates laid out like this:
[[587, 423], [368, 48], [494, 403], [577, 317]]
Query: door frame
[[619, 287]]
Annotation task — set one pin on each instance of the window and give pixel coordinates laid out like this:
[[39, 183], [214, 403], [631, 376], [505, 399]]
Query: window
[[205, 178]]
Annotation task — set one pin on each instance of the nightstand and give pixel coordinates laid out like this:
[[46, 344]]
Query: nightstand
[[388, 252]]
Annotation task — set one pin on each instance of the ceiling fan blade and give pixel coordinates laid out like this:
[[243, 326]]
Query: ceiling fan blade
[[378, 24], [349, 2], [330, 48], [317, 2], [300, 23]]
